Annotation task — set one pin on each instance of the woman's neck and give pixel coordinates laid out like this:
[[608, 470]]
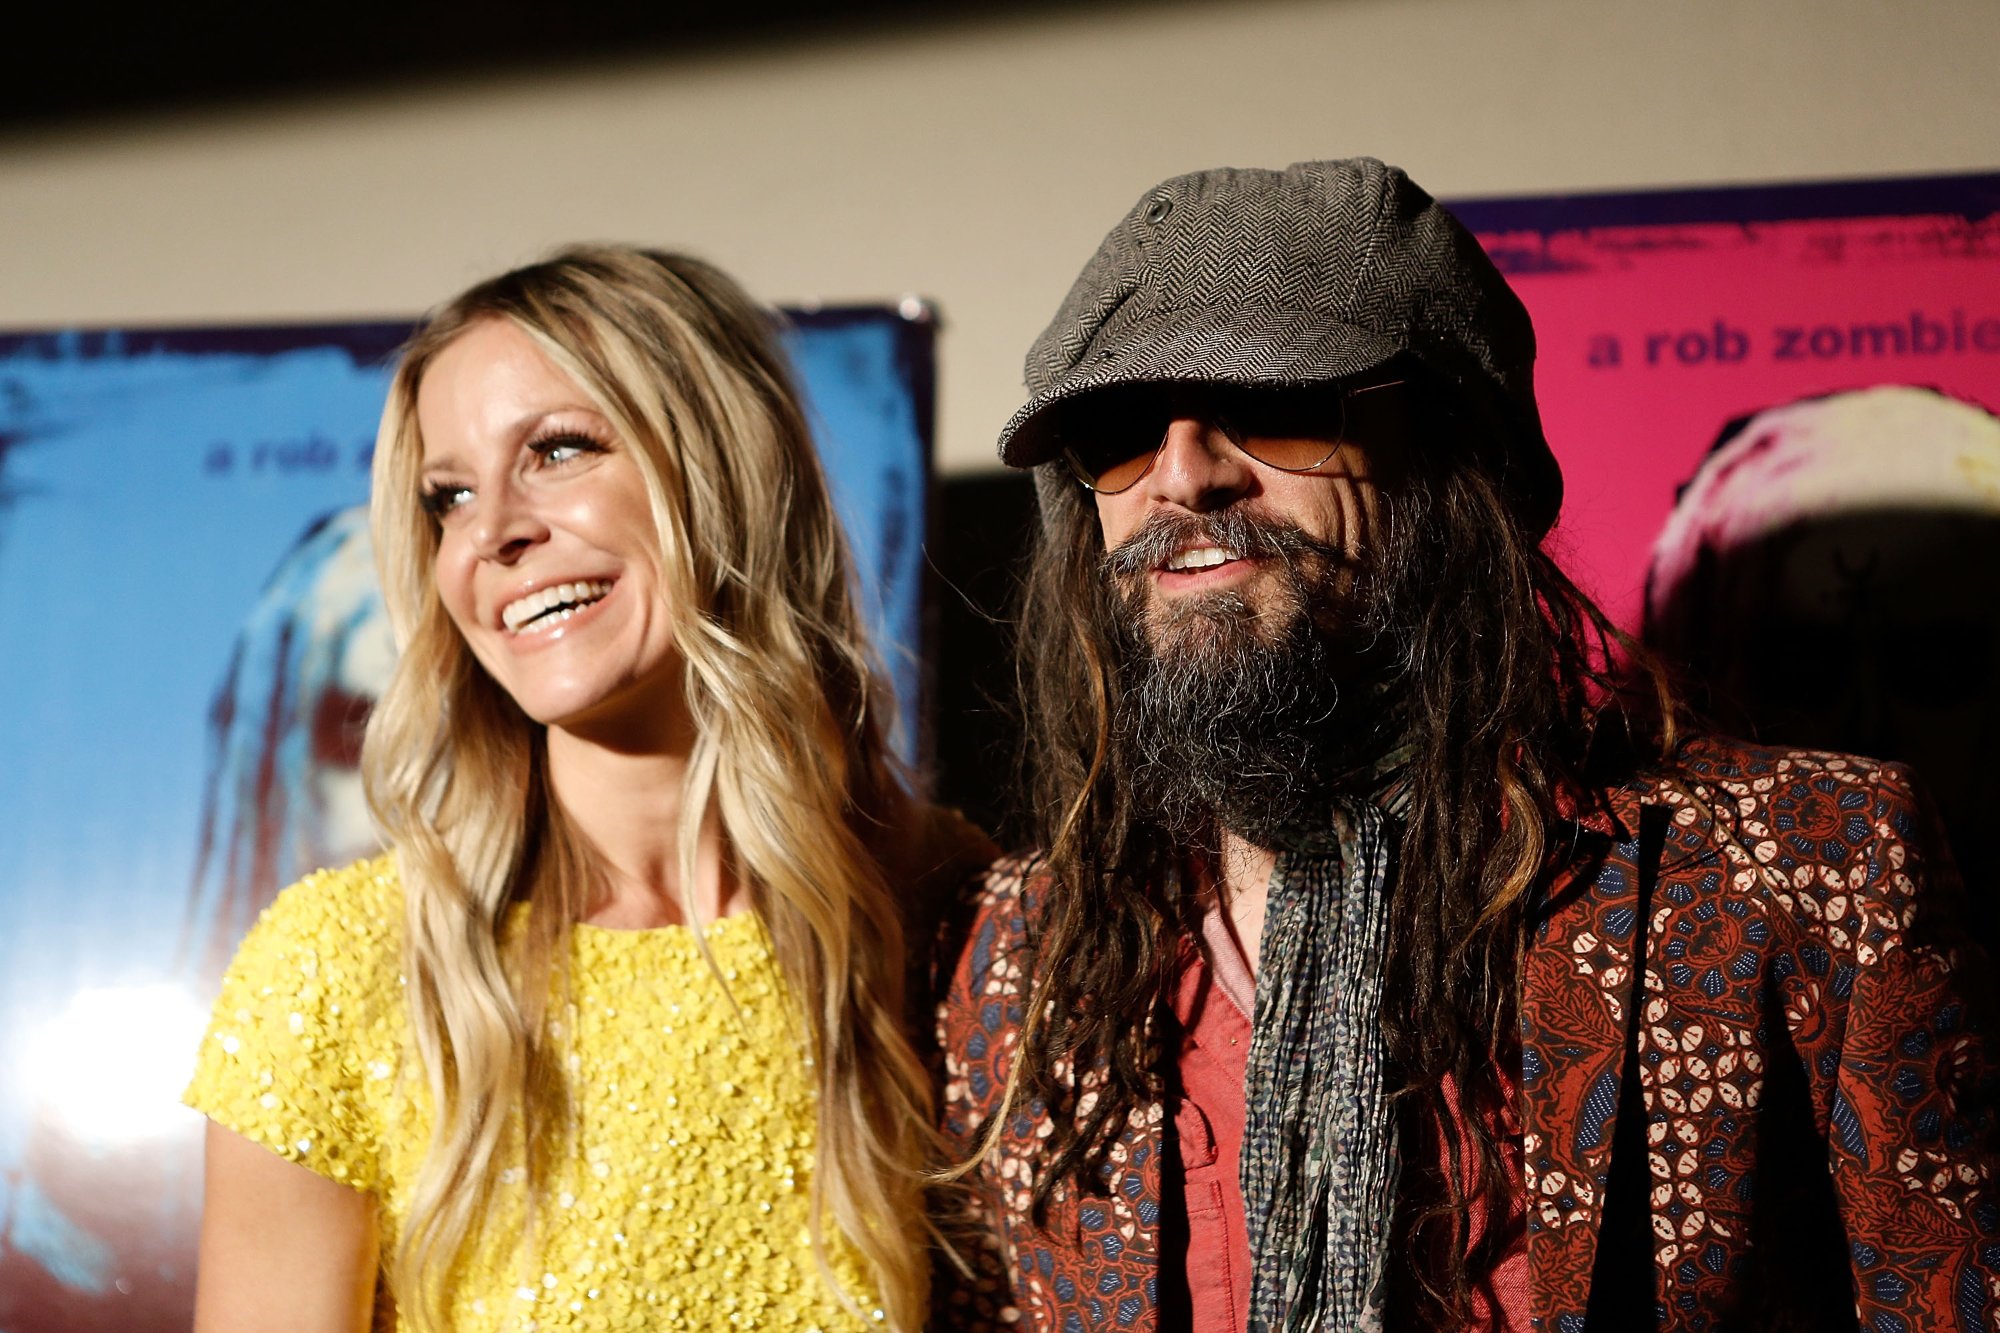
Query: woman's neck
[[626, 805]]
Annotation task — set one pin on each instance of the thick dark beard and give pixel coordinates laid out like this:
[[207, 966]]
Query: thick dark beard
[[1237, 717]]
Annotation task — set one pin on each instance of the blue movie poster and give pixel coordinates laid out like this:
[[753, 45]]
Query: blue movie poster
[[190, 636]]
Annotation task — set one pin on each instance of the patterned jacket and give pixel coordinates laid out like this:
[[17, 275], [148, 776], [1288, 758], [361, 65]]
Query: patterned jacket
[[1780, 1111]]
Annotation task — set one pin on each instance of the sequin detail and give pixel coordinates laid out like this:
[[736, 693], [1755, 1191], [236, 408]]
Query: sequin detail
[[684, 1200]]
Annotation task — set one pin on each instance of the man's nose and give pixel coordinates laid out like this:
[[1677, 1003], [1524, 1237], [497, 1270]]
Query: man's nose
[[1198, 468], [507, 524]]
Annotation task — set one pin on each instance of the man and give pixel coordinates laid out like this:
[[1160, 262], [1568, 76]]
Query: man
[[1383, 961]]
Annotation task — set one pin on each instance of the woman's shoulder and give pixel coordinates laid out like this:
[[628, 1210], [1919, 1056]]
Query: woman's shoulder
[[361, 902], [347, 920]]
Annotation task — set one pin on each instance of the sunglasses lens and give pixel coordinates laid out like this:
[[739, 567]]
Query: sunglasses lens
[[1109, 440], [1291, 431], [1290, 453]]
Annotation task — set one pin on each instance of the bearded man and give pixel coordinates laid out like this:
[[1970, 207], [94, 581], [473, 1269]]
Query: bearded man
[[1384, 962]]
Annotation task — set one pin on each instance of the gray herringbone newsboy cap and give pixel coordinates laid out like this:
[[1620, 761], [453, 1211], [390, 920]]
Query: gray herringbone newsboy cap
[[1295, 278]]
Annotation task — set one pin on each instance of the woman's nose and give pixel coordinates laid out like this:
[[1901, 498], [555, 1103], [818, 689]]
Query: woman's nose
[[507, 525]]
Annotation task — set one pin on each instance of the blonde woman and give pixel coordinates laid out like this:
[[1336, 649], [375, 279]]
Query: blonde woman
[[613, 1037]]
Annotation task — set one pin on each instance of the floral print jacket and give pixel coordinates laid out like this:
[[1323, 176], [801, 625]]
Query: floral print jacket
[[1757, 1087]]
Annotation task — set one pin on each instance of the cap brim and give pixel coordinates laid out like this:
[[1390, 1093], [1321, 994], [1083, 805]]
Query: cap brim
[[1199, 346]]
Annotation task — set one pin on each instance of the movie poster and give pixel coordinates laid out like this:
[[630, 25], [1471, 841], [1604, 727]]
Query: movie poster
[[1663, 317], [1776, 413], [190, 633]]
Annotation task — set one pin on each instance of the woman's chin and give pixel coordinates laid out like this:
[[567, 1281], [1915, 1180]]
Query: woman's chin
[[634, 715]]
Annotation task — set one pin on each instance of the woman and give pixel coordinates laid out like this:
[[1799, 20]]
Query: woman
[[614, 1036]]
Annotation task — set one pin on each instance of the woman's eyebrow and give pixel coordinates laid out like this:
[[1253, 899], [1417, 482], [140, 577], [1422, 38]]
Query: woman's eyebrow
[[524, 425]]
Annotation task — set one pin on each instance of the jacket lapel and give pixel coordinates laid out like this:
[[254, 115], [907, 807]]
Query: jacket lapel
[[1577, 1007]]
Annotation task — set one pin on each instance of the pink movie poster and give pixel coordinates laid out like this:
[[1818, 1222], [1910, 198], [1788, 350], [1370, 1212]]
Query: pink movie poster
[[1663, 317], [1778, 415]]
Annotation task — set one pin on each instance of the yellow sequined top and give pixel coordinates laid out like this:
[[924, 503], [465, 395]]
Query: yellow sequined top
[[684, 1203]]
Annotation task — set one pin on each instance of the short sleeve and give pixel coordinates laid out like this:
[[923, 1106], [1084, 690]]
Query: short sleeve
[[302, 1050]]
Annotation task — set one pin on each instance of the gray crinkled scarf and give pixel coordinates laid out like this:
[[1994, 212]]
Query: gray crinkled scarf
[[1319, 1147]]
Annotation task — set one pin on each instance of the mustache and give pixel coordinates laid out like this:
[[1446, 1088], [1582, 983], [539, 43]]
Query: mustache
[[1249, 534]]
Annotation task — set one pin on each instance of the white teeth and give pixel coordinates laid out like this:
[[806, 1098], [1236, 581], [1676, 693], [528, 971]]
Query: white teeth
[[1203, 557], [564, 598]]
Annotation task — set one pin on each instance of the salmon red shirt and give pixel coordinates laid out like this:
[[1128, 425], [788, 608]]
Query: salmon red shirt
[[1213, 1000]]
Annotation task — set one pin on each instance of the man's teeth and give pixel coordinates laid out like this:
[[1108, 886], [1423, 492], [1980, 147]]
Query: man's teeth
[[556, 603], [1203, 557]]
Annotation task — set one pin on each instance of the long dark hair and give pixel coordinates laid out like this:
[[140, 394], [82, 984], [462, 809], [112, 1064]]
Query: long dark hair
[[1502, 672]]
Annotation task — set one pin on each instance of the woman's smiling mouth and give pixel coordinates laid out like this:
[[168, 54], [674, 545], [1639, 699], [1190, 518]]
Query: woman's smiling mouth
[[550, 606]]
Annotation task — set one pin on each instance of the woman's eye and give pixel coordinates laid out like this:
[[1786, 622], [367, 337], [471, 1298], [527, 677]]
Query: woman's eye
[[441, 499], [565, 448]]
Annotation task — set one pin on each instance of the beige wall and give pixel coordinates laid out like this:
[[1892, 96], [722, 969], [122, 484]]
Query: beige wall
[[978, 165]]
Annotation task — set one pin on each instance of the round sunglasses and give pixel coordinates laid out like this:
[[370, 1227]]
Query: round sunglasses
[[1111, 438]]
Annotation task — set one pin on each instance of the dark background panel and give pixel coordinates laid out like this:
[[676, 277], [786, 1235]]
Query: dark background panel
[[70, 61], [980, 529]]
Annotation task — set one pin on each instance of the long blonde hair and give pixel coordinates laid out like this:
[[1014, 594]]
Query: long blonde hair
[[789, 757]]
